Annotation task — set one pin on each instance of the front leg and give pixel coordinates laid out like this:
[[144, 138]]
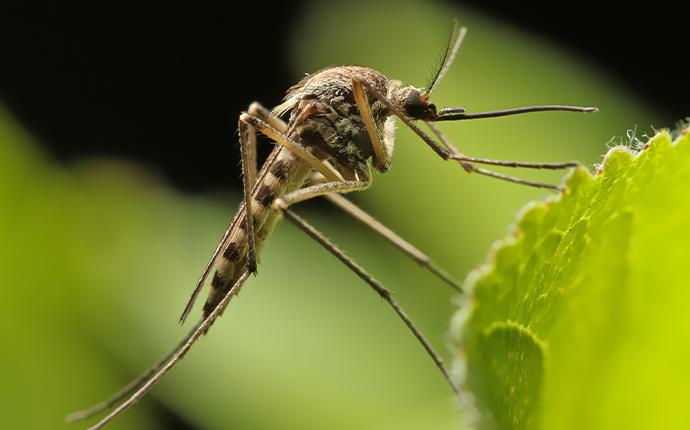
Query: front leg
[[309, 192], [381, 158]]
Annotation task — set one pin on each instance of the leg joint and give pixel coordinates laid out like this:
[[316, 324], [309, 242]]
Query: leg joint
[[279, 204]]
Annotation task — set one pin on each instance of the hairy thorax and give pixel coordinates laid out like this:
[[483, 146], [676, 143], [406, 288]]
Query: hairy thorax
[[323, 113]]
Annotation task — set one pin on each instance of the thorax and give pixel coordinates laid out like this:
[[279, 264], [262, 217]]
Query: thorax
[[323, 113]]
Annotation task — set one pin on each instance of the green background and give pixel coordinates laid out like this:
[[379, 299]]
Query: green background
[[98, 258]]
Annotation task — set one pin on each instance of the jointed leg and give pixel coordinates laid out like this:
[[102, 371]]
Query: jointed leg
[[517, 164], [248, 153], [264, 114], [146, 381], [456, 155], [128, 389], [300, 151], [407, 248], [248, 156], [381, 159], [375, 285], [397, 241], [258, 110], [316, 190], [282, 203], [466, 163], [269, 125]]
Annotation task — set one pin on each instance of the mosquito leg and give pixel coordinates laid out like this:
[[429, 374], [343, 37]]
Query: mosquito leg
[[436, 147], [248, 153], [296, 148], [247, 135], [447, 153], [264, 114], [375, 285], [204, 276], [456, 155], [312, 191], [517, 164], [258, 110], [407, 248], [248, 146], [129, 388], [140, 386], [466, 163], [381, 158], [248, 149]]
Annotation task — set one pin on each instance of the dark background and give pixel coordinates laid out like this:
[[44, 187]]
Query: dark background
[[164, 85]]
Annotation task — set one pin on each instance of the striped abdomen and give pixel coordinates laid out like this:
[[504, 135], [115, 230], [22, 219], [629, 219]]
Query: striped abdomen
[[281, 173]]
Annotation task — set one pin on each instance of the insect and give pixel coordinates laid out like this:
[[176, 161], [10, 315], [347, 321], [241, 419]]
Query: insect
[[339, 125]]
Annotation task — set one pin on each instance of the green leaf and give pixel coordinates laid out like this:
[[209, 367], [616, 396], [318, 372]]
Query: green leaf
[[579, 319]]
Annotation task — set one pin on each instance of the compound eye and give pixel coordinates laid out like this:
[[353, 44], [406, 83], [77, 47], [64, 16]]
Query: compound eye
[[414, 106]]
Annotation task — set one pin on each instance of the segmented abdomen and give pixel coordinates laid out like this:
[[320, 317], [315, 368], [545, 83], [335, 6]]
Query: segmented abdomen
[[281, 173]]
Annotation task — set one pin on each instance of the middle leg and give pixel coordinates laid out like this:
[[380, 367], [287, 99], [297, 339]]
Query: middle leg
[[282, 203], [372, 282], [406, 247]]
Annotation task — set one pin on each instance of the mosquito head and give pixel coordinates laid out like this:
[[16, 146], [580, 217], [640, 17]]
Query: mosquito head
[[413, 102]]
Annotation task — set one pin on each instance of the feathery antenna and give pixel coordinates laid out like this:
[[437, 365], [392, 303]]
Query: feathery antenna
[[454, 42]]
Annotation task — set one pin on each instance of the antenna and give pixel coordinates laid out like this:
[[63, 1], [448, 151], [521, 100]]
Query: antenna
[[457, 35]]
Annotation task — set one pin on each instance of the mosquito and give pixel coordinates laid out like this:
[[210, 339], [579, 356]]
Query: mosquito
[[340, 124]]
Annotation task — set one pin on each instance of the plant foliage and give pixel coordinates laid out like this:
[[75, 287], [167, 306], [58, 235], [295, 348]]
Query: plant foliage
[[579, 319]]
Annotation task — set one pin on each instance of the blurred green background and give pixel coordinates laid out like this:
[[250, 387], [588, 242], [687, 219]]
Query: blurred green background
[[97, 259]]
